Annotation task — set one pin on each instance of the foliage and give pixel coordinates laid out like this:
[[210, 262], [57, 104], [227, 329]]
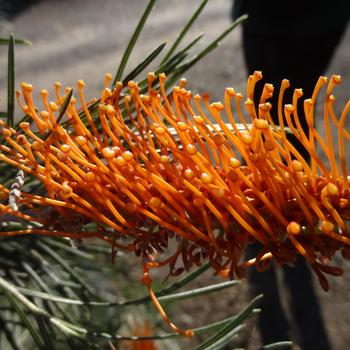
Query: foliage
[[49, 298]]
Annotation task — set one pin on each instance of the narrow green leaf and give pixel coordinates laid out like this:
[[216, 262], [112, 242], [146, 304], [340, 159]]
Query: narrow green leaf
[[198, 291], [184, 31], [171, 64], [62, 110], [43, 329], [71, 250], [132, 41], [5, 41], [11, 81], [166, 298], [26, 118], [3, 114], [75, 276], [144, 63], [64, 106], [184, 280], [225, 339], [184, 67], [9, 334], [216, 42], [278, 346], [44, 286], [25, 319], [237, 321]]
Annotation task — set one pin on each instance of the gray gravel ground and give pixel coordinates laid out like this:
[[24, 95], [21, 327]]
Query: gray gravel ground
[[85, 38]]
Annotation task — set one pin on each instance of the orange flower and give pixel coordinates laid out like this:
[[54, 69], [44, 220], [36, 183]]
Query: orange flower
[[183, 168], [141, 330]]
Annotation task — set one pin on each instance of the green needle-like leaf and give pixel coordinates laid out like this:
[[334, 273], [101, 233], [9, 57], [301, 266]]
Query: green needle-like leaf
[[198, 291], [133, 40], [74, 275], [144, 64], [62, 110], [45, 334], [215, 340], [5, 41], [166, 298], [225, 339], [184, 31], [11, 81], [184, 280], [64, 106], [282, 345], [184, 67], [232, 322], [25, 319]]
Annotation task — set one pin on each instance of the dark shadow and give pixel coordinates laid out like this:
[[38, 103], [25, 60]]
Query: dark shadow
[[294, 40], [12, 8]]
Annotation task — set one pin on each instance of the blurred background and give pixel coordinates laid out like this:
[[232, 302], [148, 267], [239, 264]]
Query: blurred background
[[84, 39]]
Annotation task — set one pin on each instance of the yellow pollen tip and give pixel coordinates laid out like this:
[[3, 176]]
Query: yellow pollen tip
[[159, 130], [132, 84], [66, 189], [120, 161], [90, 176], [299, 92], [297, 166], [182, 126], [164, 159], [191, 149], [293, 228], [80, 83], [127, 155], [326, 226], [206, 178], [197, 119], [36, 146], [217, 105], [189, 174], [231, 91], [155, 202], [24, 126], [44, 114], [53, 106], [81, 140], [247, 138], [289, 108], [108, 152], [65, 148], [261, 124], [6, 132], [332, 189], [336, 79], [235, 163]]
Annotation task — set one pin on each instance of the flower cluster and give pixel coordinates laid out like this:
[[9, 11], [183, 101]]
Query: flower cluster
[[214, 176]]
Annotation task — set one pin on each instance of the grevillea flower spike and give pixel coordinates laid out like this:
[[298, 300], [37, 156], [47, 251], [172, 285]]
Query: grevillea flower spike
[[184, 168]]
